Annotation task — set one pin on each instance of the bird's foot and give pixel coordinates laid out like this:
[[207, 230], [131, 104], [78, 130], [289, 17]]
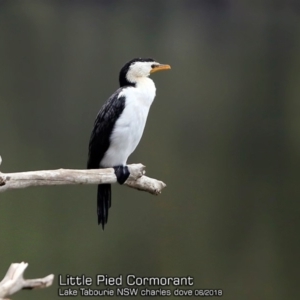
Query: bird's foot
[[122, 173]]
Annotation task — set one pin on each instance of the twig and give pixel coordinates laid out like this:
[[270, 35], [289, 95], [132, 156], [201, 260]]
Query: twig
[[13, 281], [136, 179]]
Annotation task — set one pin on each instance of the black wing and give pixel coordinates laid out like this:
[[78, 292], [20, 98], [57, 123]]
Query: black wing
[[99, 143], [103, 127]]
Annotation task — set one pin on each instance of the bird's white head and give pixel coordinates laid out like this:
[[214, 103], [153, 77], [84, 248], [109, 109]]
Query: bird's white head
[[139, 68]]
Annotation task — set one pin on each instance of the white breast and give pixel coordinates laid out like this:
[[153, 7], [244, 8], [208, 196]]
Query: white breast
[[129, 128]]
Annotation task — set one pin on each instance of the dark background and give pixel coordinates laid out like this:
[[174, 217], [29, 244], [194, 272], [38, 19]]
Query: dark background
[[223, 133]]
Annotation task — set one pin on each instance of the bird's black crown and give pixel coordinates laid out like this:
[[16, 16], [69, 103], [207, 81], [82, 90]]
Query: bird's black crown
[[122, 77]]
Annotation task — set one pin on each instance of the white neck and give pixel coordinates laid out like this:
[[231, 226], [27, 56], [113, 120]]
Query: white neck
[[147, 88], [144, 91]]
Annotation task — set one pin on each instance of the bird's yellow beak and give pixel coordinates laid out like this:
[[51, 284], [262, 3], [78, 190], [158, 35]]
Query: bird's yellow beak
[[160, 68]]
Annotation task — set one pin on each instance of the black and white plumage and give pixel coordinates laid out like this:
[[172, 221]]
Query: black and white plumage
[[119, 125]]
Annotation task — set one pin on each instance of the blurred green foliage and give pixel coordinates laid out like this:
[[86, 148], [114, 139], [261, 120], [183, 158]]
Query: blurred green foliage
[[223, 133]]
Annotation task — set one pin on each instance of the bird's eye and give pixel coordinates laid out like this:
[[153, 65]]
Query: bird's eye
[[153, 66]]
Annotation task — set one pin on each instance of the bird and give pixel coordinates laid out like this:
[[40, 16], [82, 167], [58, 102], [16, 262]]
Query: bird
[[119, 125]]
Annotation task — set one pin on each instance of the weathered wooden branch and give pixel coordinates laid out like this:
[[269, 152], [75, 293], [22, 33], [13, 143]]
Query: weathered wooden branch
[[13, 281], [136, 180]]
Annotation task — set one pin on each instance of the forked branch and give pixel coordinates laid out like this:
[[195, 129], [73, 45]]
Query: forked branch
[[14, 281], [136, 179]]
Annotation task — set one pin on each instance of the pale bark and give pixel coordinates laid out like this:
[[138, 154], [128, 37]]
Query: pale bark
[[136, 180], [14, 281]]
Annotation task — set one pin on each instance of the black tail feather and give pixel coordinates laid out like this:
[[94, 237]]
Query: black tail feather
[[103, 203]]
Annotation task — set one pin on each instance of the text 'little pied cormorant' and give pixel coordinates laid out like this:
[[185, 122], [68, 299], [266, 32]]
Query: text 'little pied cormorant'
[[119, 125]]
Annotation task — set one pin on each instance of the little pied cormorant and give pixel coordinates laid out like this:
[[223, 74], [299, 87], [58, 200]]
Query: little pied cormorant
[[119, 125]]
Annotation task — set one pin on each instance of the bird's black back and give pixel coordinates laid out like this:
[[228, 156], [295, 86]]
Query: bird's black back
[[103, 127], [99, 144]]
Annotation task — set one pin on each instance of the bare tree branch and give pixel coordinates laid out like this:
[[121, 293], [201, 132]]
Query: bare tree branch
[[136, 179], [13, 281]]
